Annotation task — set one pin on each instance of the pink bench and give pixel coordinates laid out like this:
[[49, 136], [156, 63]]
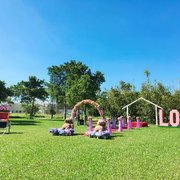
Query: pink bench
[[142, 124]]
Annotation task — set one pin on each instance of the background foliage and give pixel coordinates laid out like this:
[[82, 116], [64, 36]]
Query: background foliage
[[74, 81]]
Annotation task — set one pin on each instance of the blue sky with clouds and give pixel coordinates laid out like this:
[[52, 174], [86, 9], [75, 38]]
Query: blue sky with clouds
[[120, 38]]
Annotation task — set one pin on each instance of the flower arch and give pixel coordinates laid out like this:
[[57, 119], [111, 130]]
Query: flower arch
[[87, 101]]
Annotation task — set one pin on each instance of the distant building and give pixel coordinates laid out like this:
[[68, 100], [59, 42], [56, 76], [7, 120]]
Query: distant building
[[43, 109], [17, 108]]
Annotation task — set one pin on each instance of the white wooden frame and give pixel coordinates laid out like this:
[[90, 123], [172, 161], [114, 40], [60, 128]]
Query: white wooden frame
[[141, 98]]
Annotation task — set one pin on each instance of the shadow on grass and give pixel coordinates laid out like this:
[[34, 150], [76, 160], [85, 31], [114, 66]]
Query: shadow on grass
[[23, 122], [171, 127], [55, 120], [117, 135], [11, 133], [108, 139], [16, 133], [75, 134], [17, 117], [112, 137], [78, 134]]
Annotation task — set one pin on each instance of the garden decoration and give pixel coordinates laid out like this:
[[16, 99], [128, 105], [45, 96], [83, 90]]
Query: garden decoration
[[173, 114], [100, 131], [141, 98], [113, 123], [90, 127], [138, 125], [70, 131], [66, 130], [61, 132], [120, 119], [129, 122], [86, 101], [5, 124], [121, 125], [109, 125]]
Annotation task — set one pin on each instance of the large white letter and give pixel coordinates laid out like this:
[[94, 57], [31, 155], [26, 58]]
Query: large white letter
[[174, 111], [161, 118]]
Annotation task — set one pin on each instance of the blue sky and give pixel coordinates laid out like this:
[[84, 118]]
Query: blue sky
[[120, 38]]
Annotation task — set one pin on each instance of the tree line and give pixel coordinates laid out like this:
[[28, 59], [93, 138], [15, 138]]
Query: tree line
[[69, 83], [74, 81]]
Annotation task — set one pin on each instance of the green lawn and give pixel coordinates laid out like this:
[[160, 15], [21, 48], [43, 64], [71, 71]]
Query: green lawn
[[30, 152]]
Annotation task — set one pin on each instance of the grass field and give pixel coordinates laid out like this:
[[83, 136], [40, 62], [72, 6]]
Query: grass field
[[30, 152]]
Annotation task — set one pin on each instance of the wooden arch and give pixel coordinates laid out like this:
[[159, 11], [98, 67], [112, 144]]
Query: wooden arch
[[87, 101]]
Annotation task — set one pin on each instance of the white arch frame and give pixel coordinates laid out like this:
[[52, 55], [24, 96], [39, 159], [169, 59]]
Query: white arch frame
[[141, 98]]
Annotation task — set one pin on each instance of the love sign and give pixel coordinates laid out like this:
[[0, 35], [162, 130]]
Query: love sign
[[174, 118]]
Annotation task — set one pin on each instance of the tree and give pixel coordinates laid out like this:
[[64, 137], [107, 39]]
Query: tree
[[28, 92], [102, 100], [4, 92], [157, 93], [114, 99], [118, 97], [147, 73], [57, 85], [51, 109], [175, 103], [72, 82]]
